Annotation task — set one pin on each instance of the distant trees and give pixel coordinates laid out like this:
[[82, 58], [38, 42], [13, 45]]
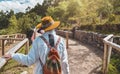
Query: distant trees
[[69, 12]]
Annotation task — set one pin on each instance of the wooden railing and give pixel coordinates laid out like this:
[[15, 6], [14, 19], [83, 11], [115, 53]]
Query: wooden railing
[[12, 36], [15, 49], [108, 46], [9, 39]]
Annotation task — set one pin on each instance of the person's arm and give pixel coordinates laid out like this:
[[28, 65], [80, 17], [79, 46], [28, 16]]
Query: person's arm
[[65, 65], [30, 58]]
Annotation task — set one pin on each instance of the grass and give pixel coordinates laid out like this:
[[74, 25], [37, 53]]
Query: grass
[[13, 67]]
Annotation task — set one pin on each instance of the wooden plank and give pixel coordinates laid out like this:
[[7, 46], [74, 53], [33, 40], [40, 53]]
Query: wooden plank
[[2, 62], [67, 40], [18, 46], [114, 45], [108, 37], [27, 47], [12, 50], [104, 59], [109, 51], [11, 38]]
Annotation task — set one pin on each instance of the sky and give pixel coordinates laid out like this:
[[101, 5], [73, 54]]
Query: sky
[[18, 5]]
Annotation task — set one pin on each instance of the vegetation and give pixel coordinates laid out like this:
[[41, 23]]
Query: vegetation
[[92, 13]]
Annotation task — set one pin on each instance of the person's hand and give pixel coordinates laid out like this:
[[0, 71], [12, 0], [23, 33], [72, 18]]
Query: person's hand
[[7, 56]]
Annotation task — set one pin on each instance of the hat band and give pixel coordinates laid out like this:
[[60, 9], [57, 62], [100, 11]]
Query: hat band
[[47, 25], [50, 23]]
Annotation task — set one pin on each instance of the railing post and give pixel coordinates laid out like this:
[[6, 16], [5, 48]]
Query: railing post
[[105, 59], [27, 47], [109, 51], [67, 40], [0, 44], [3, 47], [107, 55]]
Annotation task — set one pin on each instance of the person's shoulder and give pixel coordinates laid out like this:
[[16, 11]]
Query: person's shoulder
[[37, 39]]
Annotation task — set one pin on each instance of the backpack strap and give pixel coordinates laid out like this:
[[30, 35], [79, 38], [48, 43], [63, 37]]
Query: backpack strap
[[41, 62], [58, 41], [45, 41]]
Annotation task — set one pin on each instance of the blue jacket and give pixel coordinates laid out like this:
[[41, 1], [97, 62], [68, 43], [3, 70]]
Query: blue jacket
[[40, 50]]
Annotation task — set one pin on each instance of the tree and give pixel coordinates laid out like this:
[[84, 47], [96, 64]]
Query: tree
[[39, 10], [105, 10], [3, 20], [13, 25], [116, 6]]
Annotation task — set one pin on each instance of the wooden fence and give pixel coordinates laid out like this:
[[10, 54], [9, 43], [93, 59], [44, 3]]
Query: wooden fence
[[11, 36], [9, 39], [15, 49], [108, 46]]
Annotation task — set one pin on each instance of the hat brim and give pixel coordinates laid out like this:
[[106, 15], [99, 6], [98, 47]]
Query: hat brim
[[53, 26]]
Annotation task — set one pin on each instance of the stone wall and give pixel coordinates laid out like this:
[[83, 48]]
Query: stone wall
[[91, 38]]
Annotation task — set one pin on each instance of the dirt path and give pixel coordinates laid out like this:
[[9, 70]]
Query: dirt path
[[84, 59]]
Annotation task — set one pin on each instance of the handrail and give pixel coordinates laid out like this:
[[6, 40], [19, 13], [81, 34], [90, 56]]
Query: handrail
[[114, 45], [108, 45], [108, 37], [15, 49]]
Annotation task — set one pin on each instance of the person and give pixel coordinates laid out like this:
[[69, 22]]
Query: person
[[73, 31], [39, 49]]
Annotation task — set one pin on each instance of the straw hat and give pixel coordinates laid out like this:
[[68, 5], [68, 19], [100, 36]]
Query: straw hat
[[47, 24]]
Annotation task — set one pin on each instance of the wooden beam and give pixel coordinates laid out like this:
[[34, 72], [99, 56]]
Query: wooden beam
[[11, 38], [109, 51], [104, 59], [3, 47], [108, 37], [27, 47], [67, 36], [113, 45]]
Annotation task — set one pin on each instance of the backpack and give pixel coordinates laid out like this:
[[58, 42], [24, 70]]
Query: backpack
[[53, 63]]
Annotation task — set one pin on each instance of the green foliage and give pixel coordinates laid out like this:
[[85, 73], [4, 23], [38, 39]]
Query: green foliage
[[3, 20], [13, 25], [24, 24], [39, 10], [114, 66], [3, 31], [112, 69], [58, 12]]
